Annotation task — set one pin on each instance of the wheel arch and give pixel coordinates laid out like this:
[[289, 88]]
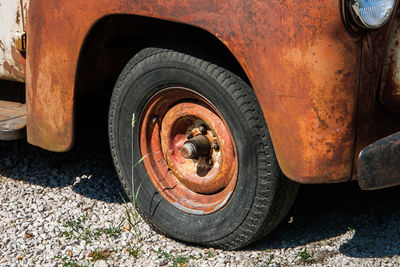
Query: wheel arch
[[111, 38]]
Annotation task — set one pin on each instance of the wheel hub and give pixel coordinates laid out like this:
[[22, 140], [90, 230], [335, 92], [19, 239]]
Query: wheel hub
[[196, 147], [197, 166]]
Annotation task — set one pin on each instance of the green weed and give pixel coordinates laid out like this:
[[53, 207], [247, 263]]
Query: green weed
[[271, 257], [112, 231], [210, 254], [99, 254], [75, 229], [176, 261], [134, 251], [305, 257], [67, 262], [133, 217]]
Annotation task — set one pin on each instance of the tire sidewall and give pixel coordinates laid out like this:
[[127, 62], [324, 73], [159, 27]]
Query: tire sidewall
[[141, 81]]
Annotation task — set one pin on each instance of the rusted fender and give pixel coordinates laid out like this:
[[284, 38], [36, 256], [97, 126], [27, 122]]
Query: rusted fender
[[302, 64]]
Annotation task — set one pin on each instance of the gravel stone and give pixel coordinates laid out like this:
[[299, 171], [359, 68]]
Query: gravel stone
[[66, 209]]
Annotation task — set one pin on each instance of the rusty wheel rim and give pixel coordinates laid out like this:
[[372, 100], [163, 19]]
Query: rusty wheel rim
[[188, 150]]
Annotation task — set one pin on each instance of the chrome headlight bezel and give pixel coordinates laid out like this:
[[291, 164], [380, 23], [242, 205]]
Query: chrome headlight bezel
[[353, 7]]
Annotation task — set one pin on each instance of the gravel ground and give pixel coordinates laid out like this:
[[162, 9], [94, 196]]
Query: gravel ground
[[67, 209]]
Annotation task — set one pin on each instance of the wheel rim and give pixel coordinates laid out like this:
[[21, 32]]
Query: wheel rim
[[188, 150]]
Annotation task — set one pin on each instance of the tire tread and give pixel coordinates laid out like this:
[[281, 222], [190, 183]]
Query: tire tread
[[261, 218]]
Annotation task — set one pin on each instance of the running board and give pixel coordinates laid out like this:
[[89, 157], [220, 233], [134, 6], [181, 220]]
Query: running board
[[379, 164], [12, 120]]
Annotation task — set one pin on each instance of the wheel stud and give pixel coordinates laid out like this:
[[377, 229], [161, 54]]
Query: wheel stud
[[215, 146], [202, 129], [189, 135], [155, 119]]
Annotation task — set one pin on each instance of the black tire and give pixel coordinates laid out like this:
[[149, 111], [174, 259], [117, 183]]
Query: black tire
[[263, 195]]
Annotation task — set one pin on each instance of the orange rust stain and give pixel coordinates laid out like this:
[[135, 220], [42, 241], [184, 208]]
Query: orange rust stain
[[196, 174], [16, 68], [18, 18], [301, 62], [13, 71], [185, 186]]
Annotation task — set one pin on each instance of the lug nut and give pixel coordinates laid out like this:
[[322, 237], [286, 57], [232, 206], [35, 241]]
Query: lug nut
[[215, 146], [202, 129], [189, 135], [155, 119]]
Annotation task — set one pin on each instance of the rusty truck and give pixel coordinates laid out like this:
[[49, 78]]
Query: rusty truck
[[218, 109]]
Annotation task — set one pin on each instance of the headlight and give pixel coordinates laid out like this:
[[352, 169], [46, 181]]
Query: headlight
[[371, 14]]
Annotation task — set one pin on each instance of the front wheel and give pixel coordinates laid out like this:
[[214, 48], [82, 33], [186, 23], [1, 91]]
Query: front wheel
[[207, 173]]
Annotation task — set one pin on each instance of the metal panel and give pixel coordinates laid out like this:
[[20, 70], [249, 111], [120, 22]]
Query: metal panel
[[302, 63], [12, 120], [379, 164], [390, 85], [373, 120]]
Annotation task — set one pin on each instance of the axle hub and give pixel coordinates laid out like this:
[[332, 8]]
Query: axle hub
[[196, 147]]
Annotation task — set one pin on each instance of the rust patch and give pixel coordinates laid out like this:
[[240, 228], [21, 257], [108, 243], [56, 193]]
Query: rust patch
[[299, 58], [373, 121], [390, 86], [390, 95], [12, 70], [18, 17], [16, 69], [202, 184], [2, 46]]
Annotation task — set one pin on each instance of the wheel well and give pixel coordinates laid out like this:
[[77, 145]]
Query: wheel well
[[115, 39]]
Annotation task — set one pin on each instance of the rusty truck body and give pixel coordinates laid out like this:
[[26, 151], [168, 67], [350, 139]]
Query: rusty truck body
[[315, 85]]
